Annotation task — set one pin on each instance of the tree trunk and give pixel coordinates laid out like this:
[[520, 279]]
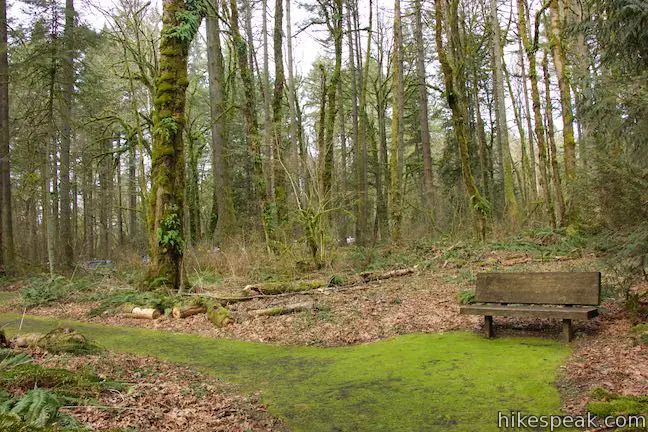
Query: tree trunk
[[252, 126], [67, 255], [105, 185], [222, 218], [335, 29], [451, 59], [527, 114], [281, 190], [531, 47], [428, 179], [50, 147], [88, 204], [382, 171], [500, 119], [132, 194], [362, 232], [553, 154], [120, 205], [265, 87], [559, 59], [167, 165], [6, 230], [299, 168], [396, 161]]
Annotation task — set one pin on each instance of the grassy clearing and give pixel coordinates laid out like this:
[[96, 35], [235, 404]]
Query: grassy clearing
[[445, 382]]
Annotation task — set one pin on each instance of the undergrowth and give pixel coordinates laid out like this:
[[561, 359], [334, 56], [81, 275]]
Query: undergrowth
[[32, 395]]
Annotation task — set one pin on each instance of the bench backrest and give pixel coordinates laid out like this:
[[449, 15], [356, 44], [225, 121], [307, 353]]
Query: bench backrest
[[557, 288]]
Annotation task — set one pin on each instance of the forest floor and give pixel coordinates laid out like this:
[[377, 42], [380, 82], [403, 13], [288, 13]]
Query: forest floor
[[603, 354]]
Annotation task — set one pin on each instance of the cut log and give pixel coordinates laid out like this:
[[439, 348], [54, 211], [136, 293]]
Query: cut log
[[284, 309], [132, 311], [219, 316], [186, 311], [27, 340]]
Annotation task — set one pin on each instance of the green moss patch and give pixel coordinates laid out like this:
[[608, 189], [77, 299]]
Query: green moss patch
[[605, 404], [421, 382]]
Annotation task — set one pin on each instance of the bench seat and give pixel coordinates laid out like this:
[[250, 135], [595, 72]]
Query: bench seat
[[564, 295], [560, 312]]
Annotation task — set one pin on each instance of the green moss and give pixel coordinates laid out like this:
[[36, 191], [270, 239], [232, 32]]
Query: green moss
[[218, 315], [32, 375], [606, 404], [445, 382]]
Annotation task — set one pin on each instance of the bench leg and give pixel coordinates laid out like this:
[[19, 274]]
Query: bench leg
[[488, 326], [568, 331]]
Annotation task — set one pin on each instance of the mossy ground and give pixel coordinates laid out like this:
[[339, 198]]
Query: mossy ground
[[449, 381]]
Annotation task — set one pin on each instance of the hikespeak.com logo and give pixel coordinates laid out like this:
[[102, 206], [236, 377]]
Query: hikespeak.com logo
[[515, 420]]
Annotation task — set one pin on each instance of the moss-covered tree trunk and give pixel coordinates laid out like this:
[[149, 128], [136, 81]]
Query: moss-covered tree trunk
[[180, 21], [451, 59], [396, 157]]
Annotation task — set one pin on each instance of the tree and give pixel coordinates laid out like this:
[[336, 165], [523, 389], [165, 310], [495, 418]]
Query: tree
[[67, 238], [5, 189], [428, 183], [180, 22], [504, 157], [451, 59], [396, 161], [222, 216], [560, 63]]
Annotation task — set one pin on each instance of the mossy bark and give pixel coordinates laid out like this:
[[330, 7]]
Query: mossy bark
[[451, 59], [166, 201], [396, 157]]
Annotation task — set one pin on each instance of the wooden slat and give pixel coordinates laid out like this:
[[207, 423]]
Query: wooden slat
[[560, 288], [562, 312]]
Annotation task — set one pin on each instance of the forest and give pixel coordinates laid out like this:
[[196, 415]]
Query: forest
[[317, 174]]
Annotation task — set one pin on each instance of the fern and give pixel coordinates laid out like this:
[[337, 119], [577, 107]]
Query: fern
[[38, 406], [466, 296], [10, 359]]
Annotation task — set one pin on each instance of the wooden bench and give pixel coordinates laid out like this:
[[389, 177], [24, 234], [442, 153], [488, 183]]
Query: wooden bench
[[563, 295]]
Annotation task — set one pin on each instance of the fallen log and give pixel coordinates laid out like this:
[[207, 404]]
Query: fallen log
[[284, 309], [374, 276], [132, 311], [186, 311], [271, 288], [275, 288]]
